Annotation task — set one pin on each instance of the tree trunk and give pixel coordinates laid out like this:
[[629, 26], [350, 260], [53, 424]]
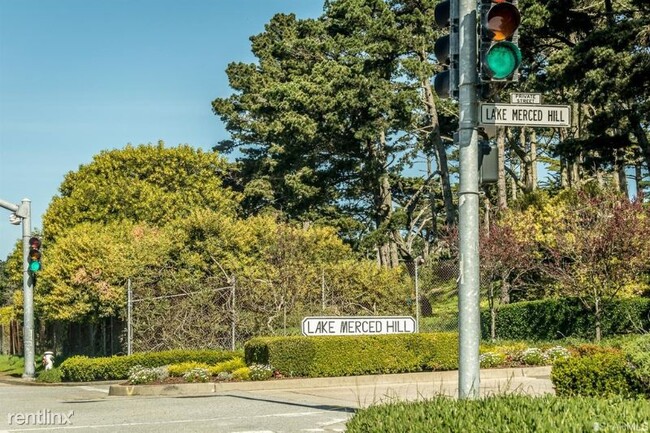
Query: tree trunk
[[441, 154], [638, 178], [501, 179], [597, 317], [533, 159]]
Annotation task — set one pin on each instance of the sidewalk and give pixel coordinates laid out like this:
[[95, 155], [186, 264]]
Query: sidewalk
[[361, 391]]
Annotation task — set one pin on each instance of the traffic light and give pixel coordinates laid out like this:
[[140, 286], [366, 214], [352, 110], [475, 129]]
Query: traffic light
[[445, 48], [499, 52], [34, 256], [488, 163]]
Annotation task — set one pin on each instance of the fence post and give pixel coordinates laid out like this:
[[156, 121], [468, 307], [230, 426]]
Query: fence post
[[234, 314], [417, 295], [129, 326]]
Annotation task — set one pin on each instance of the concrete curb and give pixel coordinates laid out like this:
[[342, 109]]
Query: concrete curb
[[425, 378]]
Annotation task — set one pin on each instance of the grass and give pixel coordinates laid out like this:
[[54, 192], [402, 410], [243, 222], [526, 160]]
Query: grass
[[11, 365]]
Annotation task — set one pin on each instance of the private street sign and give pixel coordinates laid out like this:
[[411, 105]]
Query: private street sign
[[525, 98], [357, 325], [548, 116]]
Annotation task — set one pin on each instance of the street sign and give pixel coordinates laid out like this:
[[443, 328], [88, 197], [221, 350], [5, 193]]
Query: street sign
[[549, 116], [525, 98], [357, 325]]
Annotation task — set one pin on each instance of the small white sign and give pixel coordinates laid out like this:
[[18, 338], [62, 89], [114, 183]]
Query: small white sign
[[525, 98], [357, 325], [550, 116]]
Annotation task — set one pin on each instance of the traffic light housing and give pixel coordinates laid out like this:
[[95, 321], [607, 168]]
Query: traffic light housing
[[34, 256], [488, 163], [499, 51], [446, 48]]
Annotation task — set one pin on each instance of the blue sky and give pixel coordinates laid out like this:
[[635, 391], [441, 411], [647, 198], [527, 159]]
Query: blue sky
[[81, 76]]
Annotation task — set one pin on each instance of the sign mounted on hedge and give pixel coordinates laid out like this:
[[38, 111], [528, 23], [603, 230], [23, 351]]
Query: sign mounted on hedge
[[357, 325]]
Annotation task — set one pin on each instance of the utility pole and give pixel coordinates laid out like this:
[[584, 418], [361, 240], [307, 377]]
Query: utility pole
[[468, 205], [23, 214]]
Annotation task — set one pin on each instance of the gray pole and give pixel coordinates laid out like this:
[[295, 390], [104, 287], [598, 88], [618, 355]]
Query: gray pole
[[417, 296], [129, 315], [28, 295], [468, 206], [233, 321]]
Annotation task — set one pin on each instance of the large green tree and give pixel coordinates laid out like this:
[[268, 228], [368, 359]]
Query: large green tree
[[332, 114], [152, 184]]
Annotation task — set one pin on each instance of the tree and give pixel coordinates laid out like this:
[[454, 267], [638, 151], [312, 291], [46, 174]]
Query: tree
[[152, 184], [601, 249], [332, 114], [85, 271]]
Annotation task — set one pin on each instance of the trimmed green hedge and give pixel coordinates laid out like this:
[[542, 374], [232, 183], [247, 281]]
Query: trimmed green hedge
[[354, 355], [85, 369], [511, 413], [551, 319], [602, 374]]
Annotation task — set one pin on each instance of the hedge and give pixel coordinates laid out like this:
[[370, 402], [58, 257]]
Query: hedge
[[551, 319], [354, 355], [602, 374], [512, 413], [85, 369], [605, 371]]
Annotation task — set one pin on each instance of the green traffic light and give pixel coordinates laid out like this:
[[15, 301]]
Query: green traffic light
[[503, 59], [35, 266]]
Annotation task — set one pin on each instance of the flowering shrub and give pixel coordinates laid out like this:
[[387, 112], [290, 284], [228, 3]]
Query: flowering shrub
[[224, 375], [139, 374], [532, 356], [492, 359], [556, 353], [260, 372], [197, 375]]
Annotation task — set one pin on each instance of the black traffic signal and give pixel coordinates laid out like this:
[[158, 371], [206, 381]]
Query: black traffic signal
[[499, 52], [488, 162], [445, 48], [34, 256]]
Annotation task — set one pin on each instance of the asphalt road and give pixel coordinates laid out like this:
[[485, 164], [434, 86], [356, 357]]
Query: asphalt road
[[26, 408], [294, 405]]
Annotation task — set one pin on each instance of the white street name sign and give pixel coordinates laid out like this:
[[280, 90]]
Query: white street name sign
[[549, 116], [525, 98], [357, 325]]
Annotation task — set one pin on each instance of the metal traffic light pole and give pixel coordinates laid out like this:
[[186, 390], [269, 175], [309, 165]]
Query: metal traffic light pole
[[24, 213], [468, 205]]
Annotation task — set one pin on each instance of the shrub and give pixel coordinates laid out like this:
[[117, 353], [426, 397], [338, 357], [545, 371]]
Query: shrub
[[196, 375], [243, 373], [178, 370], [556, 353], [512, 413], [227, 366], [492, 359], [85, 369], [354, 355], [139, 375], [260, 372], [50, 376], [532, 356], [602, 374], [224, 375], [551, 319], [637, 354]]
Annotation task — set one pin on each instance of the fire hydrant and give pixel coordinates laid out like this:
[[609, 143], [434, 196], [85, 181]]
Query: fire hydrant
[[48, 360]]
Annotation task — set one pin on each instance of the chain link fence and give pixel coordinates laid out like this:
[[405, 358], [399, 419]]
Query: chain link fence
[[225, 312]]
